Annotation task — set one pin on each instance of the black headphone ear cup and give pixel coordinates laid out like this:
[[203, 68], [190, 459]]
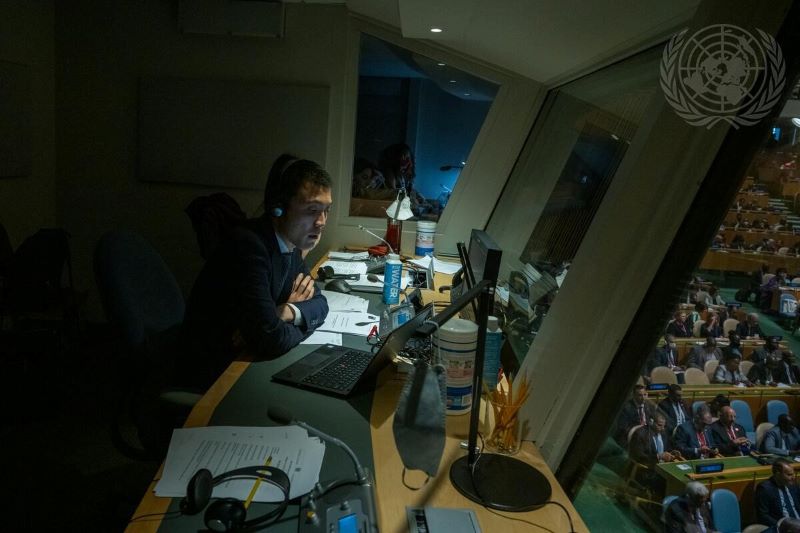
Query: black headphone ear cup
[[198, 492], [225, 514]]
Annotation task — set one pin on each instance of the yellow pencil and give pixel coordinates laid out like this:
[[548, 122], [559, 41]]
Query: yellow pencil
[[255, 486]]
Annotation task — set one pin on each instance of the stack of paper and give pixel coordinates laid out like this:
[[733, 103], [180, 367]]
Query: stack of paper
[[224, 448], [349, 256], [345, 302], [346, 267], [438, 266]]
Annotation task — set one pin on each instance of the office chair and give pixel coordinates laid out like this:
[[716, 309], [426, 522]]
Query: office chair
[[725, 511], [762, 428], [663, 374], [745, 418], [143, 303], [695, 376], [745, 367]]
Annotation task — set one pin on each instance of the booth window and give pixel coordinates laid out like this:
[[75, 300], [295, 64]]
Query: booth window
[[416, 123], [559, 182]]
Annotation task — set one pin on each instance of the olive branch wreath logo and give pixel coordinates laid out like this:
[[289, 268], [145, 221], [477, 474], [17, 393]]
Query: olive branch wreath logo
[[748, 115]]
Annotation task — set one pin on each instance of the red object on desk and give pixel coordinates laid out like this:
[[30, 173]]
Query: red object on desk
[[378, 250]]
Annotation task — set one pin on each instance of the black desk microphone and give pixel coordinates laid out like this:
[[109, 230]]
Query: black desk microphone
[[341, 505]]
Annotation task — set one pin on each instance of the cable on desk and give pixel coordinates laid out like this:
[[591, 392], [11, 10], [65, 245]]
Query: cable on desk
[[161, 516]]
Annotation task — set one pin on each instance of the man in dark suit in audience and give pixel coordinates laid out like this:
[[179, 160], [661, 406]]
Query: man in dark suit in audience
[[689, 513], [666, 355], [635, 412], [700, 355], [729, 437], [783, 438], [788, 372], [680, 326], [766, 372], [770, 349], [650, 445], [673, 408], [255, 292], [749, 328], [778, 497], [693, 438]]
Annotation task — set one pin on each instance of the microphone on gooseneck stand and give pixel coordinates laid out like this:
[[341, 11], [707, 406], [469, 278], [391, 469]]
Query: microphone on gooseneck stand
[[324, 508], [391, 250]]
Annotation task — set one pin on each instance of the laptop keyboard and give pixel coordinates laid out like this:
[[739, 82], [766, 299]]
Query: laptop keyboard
[[343, 373]]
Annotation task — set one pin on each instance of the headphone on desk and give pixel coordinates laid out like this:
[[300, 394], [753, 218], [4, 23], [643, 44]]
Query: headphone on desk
[[230, 514]]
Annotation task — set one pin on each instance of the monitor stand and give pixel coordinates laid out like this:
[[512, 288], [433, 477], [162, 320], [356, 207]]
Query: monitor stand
[[501, 482]]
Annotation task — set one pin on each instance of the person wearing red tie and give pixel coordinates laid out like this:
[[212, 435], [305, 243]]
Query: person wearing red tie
[[728, 436], [693, 438], [635, 412]]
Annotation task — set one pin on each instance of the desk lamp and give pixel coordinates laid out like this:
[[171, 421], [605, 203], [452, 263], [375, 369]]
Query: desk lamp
[[493, 480]]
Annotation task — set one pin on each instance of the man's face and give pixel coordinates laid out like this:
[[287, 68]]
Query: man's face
[[732, 365], [706, 418], [639, 396], [659, 424], [786, 424], [785, 476], [675, 395], [306, 216], [727, 416], [682, 317]]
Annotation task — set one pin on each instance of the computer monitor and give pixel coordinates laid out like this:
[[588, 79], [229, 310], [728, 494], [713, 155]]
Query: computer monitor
[[484, 256]]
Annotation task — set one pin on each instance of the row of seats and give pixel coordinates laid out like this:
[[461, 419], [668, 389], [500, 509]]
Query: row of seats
[[694, 376]]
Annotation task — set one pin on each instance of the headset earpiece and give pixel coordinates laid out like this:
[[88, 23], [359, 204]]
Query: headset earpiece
[[198, 492], [225, 514], [276, 212]]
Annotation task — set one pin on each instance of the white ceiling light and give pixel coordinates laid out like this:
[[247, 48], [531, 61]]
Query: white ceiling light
[[796, 121], [436, 30]]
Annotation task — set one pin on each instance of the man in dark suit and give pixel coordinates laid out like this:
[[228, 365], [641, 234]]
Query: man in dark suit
[[693, 438], [788, 372], [700, 355], [766, 372], [689, 513], [782, 439], [635, 412], [666, 355], [649, 446], [749, 328], [673, 408], [729, 437], [680, 325], [770, 349], [255, 292], [778, 497]]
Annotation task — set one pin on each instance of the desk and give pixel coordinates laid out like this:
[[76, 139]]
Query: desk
[[756, 236], [741, 476], [735, 261], [243, 393], [771, 217], [760, 199]]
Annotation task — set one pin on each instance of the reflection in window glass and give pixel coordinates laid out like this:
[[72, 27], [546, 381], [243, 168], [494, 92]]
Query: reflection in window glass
[[560, 181], [416, 123]]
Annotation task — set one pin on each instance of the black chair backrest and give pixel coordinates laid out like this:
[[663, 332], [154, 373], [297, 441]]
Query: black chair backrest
[[139, 293], [36, 269], [6, 250]]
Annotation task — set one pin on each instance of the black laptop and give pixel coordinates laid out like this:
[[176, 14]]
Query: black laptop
[[340, 371]]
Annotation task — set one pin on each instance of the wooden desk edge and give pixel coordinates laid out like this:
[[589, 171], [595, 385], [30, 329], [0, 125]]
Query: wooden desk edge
[[200, 416]]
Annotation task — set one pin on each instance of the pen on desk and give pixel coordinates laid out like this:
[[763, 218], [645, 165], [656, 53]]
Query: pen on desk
[[257, 484]]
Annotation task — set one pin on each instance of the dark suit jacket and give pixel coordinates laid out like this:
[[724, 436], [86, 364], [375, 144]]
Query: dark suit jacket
[[722, 441], [698, 356], [768, 502], [678, 330], [666, 407], [745, 330], [761, 375], [686, 442], [642, 448], [679, 519], [629, 417], [239, 290], [659, 357]]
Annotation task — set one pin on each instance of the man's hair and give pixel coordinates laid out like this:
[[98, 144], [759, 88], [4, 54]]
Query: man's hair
[[637, 387], [674, 387], [779, 463], [287, 176], [695, 488], [701, 411], [782, 419]]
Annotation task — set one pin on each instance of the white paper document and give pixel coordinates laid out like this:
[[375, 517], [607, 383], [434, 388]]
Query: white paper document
[[349, 256], [346, 267], [324, 337], [377, 285], [438, 266], [353, 323], [224, 448], [345, 302]]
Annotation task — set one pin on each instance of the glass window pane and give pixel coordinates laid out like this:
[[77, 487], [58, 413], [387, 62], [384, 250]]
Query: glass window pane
[[416, 123]]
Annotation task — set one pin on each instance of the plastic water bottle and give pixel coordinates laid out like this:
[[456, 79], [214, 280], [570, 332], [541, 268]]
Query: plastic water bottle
[[392, 273], [491, 357]]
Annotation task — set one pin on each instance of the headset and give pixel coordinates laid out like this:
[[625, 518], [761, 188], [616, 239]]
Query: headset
[[230, 514], [276, 189]]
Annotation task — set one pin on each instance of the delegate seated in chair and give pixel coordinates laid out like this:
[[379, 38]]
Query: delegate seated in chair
[[728, 373], [673, 408], [635, 412], [700, 355], [778, 497], [783, 439], [650, 445], [689, 513], [729, 437], [693, 438]]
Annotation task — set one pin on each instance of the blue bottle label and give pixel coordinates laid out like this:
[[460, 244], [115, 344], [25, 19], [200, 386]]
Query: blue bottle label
[[391, 282]]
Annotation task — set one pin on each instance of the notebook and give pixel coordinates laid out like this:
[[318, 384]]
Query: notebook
[[340, 371]]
